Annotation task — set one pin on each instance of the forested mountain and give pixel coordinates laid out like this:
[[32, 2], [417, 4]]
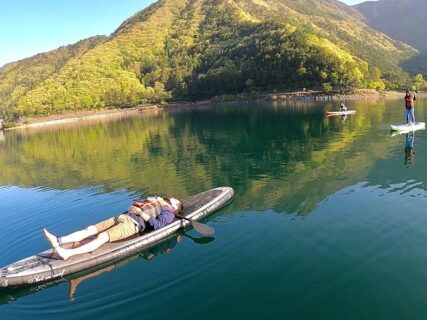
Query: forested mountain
[[194, 49], [17, 78], [403, 20]]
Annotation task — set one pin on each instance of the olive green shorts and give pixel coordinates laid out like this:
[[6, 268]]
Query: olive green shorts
[[118, 228]]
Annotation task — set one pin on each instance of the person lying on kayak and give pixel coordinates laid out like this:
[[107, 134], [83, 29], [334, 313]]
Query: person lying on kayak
[[153, 212], [343, 107]]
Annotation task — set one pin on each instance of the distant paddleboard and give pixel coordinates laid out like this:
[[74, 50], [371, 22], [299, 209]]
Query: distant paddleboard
[[407, 128], [340, 113]]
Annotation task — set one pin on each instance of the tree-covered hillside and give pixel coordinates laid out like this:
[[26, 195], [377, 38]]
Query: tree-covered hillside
[[17, 78], [194, 49]]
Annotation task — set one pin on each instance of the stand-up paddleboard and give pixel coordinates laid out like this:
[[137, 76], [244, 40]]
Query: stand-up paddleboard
[[340, 113], [407, 128], [47, 266]]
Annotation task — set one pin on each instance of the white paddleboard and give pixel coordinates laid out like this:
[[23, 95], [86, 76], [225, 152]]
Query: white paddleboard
[[408, 128], [340, 113]]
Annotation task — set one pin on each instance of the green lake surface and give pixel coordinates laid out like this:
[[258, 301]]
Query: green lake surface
[[329, 219]]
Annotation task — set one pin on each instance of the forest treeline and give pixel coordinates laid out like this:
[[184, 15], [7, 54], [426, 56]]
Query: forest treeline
[[198, 49]]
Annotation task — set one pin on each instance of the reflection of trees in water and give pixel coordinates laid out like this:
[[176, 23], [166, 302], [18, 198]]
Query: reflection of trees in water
[[285, 159], [288, 157]]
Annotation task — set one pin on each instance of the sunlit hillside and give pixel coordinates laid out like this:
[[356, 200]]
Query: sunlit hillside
[[196, 49], [17, 78]]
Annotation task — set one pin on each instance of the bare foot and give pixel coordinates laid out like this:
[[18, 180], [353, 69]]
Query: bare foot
[[62, 253], [51, 238]]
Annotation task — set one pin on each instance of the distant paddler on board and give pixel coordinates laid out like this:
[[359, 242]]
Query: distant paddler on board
[[342, 112]]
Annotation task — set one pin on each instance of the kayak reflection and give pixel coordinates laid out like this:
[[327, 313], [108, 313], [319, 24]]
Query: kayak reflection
[[12, 294], [409, 149], [148, 254]]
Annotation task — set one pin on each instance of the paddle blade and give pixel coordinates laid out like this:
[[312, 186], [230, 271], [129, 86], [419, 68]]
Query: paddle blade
[[203, 229], [201, 240], [204, 240]]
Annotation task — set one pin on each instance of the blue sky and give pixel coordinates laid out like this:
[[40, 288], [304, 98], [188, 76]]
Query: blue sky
[[28, 27]]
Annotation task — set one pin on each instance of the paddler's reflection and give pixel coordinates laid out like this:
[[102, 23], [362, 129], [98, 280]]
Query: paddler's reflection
[[409, 149], [148, 254], [343, 118]]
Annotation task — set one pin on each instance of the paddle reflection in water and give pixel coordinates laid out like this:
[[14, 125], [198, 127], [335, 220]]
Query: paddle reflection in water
[[12, 294], [409, 149]]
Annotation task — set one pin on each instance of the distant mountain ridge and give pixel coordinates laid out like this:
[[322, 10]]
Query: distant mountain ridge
[[195, 49], [403, 20]]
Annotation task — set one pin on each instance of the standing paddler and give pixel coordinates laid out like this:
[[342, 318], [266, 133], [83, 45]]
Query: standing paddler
[[410, 108]]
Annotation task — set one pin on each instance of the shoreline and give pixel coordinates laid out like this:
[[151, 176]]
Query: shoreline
[[81, 116], [313, 96], [301, 96]]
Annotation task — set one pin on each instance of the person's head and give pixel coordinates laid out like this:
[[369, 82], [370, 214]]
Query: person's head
[[175, 204], [407, 92]]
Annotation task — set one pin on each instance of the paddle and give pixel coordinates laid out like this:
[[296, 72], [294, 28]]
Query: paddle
[[202, 240], [201, 228]]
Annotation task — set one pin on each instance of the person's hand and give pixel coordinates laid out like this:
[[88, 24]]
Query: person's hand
[[137, 211]]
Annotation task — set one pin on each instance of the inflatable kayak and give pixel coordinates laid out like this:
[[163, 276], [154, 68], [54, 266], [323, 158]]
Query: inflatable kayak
[[406, 128], [46, 266], [340, 113]]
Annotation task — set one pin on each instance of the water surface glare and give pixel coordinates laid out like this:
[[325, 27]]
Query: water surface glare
[[329, 219]]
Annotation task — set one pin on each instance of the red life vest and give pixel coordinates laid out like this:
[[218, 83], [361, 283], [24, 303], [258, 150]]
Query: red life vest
[[409, 101], [149, 206]]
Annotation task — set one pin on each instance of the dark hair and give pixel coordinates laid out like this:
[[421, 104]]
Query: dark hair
[[180, 207]]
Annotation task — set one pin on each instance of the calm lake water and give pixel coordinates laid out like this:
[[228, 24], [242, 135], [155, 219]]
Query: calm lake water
[[329, 218]]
